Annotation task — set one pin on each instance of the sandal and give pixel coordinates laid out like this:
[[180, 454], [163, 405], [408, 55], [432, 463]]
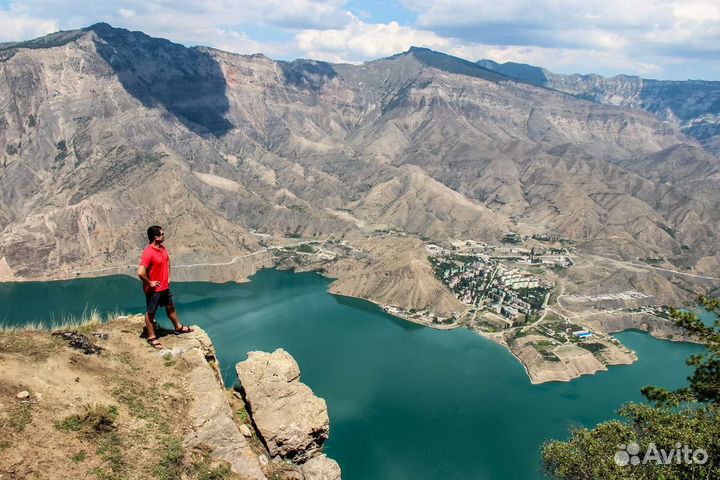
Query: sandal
[[155, 343], [183, 329]]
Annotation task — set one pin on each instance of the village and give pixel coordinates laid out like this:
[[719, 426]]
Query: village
[[492, 284], [494, 281]]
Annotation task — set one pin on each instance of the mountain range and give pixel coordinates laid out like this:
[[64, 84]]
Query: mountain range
[[104, 131], [692, 105]]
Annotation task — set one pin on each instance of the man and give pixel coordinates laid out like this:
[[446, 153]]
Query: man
[[154, 271]]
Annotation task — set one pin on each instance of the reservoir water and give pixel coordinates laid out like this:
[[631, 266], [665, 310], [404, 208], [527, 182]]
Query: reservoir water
[[405, 402]]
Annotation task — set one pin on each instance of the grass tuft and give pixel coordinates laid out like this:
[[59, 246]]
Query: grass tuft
[[141, 401], [209, 472], [171, 459], [110, 449], [19, 416], [242, 415], [79, 456], [97, 424], [87, 322], [202, 467], [169, 359], [94, 421]]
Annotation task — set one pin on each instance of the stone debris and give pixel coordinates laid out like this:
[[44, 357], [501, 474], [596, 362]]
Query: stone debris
[[245, 431], [24, 395], [321, 468], [80, 342]]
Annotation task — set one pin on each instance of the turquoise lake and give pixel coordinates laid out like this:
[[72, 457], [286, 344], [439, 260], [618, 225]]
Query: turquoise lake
[[405, 401]]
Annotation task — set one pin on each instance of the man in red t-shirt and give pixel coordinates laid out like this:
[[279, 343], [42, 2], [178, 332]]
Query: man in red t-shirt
[[154, 271]]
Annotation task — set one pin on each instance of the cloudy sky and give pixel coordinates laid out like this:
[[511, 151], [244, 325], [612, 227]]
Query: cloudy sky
[[667, 39]]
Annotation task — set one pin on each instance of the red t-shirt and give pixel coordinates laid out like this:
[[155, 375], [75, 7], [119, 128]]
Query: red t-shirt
[[157, 262]]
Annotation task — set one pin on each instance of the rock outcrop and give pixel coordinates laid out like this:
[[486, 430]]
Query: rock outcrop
[[212, 418], [292, 421], [169, 398]]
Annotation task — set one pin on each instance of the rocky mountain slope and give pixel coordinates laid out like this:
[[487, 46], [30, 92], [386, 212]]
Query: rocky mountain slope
[[692, 105], [104, 131]]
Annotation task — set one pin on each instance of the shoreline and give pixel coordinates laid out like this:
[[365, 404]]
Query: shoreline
[[562, 374], [394, 315]]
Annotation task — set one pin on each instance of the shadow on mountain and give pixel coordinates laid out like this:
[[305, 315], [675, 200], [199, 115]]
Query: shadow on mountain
[[307, 74], [519, 71], [188, 82], [451, 64]]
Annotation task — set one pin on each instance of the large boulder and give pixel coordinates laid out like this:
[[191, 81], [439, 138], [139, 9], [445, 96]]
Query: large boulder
[[292, 421]]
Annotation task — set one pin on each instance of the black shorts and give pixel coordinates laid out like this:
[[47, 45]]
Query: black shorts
[[158, 299]]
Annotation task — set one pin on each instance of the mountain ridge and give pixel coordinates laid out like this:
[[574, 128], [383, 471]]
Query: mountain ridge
[[245, 145], [692, 105]]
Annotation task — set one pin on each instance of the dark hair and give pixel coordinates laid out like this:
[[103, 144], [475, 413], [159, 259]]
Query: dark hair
[[153, 232]]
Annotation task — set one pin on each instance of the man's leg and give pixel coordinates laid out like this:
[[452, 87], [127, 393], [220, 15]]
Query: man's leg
[[152, 302], [170, 310], [172, 315], [149, 325]]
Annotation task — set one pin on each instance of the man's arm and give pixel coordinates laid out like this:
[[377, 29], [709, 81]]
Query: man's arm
[[142, 273]]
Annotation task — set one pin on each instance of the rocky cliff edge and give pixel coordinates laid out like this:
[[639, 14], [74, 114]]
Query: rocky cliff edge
[[96, 401]]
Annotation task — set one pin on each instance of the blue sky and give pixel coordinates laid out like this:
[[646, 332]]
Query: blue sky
[[667, 39]]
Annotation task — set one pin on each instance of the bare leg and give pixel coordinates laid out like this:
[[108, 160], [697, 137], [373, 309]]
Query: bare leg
[[172, 315], [150, 325]]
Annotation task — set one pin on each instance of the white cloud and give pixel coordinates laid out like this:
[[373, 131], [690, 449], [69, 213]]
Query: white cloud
[[126, 12], [15, 26], [192, 14], [641, 27], [239, 42], [361, 41], [300, 13], [217, 23], [697, 10]]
